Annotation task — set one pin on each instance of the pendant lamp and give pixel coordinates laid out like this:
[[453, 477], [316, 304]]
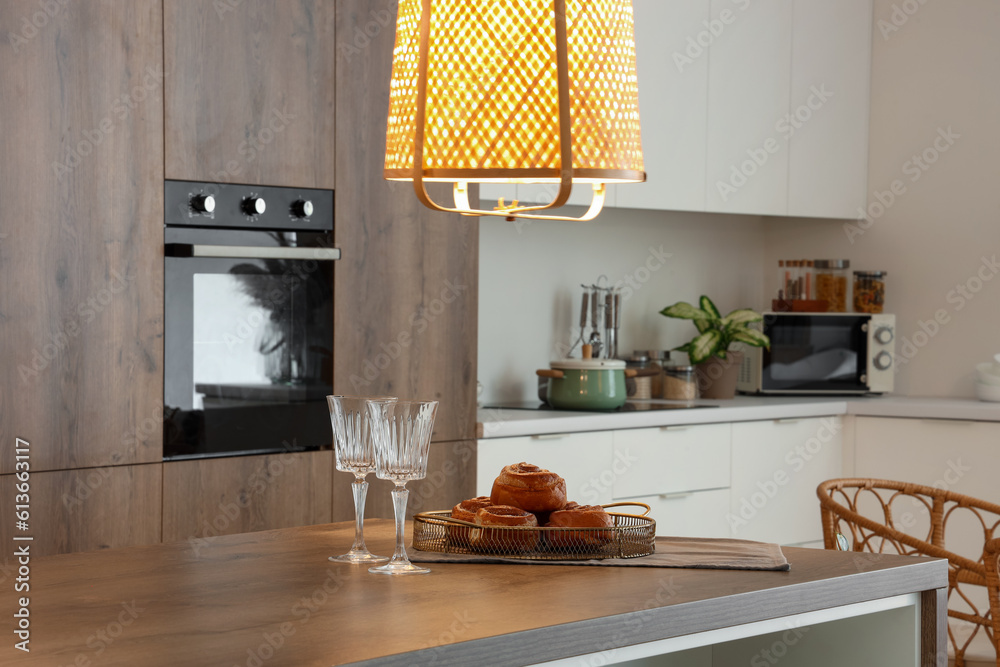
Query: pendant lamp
[[514, 91]]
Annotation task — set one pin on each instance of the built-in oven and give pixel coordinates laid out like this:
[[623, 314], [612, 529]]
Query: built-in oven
[[822, 353], [248, 319]]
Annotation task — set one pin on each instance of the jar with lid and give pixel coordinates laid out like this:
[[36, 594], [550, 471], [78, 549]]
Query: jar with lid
[[643, 382], [658, 359], [869, 291], [831, 283], [679, 383]]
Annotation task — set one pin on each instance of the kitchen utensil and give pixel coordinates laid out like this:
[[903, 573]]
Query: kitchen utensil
[[631, 537], [595, 314], [586, 384], [583, 321], [355, 453], [401, 431], [609, 326]]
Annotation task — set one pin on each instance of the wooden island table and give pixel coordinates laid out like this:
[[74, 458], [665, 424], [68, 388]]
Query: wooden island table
[[272, 598]]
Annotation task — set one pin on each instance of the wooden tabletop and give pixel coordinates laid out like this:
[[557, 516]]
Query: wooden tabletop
[[272, 598]]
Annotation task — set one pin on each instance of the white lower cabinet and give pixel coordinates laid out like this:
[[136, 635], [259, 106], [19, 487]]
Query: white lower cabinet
[[681, 472], [584, 460], [749, 480], [960, 456], [777, 466], [691, 514]]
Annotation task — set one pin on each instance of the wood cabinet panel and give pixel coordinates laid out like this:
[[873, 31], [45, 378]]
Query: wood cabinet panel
[[225, 496], [451, 478], [406, 287], [81, 310], [250, 91], [85, 510]]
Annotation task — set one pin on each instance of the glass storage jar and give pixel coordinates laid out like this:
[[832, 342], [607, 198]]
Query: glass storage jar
[[679, 383], [831, 283], [869, 291]]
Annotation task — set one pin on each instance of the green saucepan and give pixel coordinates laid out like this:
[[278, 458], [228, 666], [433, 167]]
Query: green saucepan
[[586, 384]]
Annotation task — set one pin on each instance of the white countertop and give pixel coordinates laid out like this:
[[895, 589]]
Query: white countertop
[[509, 422]]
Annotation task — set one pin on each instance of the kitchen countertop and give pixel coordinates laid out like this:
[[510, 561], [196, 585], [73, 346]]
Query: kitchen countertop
[[272, 598], [507, 422]]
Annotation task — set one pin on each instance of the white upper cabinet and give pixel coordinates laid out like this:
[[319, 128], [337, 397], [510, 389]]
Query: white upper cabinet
[[749, 87], [672, 61], [831, 74], [753, 106]]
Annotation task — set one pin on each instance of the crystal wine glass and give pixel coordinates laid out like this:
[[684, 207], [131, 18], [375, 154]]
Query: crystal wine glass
[[356, 454], [402, 435]]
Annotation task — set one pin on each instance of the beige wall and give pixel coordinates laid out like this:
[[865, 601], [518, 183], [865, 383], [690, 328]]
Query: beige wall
[[939, 70], [530, 275]]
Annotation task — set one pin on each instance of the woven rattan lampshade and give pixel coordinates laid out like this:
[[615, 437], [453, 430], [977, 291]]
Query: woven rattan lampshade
[[514, 91]]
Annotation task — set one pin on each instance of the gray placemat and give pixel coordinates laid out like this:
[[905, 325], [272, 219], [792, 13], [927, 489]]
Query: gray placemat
[[687, 552]]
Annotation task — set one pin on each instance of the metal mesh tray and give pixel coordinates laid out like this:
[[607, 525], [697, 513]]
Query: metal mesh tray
[[632, 536]]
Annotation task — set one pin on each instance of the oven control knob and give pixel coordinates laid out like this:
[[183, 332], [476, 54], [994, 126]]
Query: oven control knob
[[254, 206], [882, 361], [203, 203], [302, 208], [883, 335]]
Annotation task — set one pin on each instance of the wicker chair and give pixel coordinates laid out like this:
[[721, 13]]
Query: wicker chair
[[843, 503]]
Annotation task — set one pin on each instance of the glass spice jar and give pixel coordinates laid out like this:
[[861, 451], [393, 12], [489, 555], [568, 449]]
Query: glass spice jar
[[831, 283], [869, 291]]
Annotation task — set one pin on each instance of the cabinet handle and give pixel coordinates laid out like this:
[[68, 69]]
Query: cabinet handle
[[251, 252], [549, 436], [675, 428], [791, 420], [963, 422], [675, 496]]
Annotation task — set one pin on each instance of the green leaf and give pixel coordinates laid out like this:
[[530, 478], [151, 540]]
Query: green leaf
[[752, 337], [683, 310], [686, 347], [742, 316], [709, 307], [703, 325], [704, 346]]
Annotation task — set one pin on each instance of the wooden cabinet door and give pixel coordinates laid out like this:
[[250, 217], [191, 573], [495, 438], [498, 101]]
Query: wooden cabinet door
[[406, 287], [86, 510], [209, 497], [81, 233], [250, 91], [777, 466]]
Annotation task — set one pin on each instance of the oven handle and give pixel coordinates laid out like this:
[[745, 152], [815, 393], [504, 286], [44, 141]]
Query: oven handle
[[251, 252]]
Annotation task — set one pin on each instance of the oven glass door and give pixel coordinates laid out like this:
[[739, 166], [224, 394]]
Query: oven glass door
[[248, 343], [815, 353]]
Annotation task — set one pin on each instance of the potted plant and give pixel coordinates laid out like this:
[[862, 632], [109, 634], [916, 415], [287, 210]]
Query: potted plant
[[716, 364]]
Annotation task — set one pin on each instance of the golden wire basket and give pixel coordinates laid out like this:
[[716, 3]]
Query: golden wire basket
[[632, 536]]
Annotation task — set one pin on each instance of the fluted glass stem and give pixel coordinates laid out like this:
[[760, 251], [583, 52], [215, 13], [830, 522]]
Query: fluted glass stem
[[360, 489], [399, 564]]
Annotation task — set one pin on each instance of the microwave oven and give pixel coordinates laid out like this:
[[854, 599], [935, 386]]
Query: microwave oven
[[822, 353]]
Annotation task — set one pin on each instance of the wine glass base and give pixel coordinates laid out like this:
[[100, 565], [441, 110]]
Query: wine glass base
[[399, 568], [359, 557]]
